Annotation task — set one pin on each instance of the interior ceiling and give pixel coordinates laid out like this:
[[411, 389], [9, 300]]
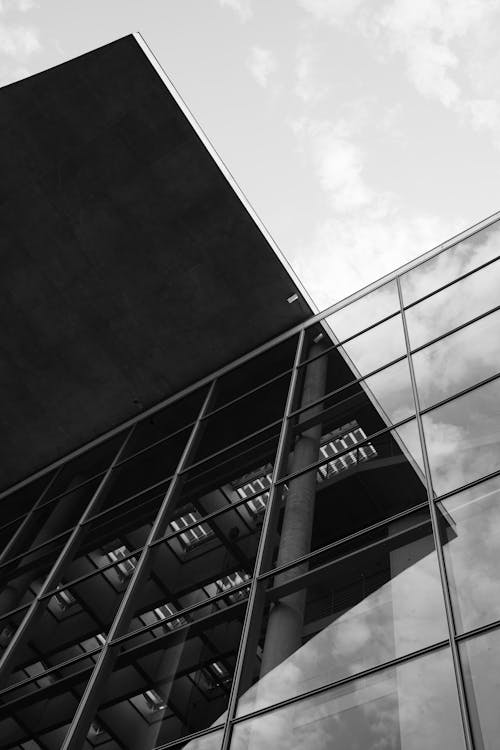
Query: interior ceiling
[[130, 268]]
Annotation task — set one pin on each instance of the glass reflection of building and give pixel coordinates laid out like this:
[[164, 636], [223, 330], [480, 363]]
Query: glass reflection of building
[[299, 551]]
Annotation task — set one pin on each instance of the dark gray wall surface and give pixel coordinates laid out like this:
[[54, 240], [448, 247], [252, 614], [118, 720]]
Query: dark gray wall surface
[[129, 267]]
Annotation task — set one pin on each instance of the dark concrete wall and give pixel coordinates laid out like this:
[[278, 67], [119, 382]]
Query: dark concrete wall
[[129, 266]]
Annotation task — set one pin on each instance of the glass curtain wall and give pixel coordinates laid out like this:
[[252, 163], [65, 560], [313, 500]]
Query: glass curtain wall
[[301, 552]]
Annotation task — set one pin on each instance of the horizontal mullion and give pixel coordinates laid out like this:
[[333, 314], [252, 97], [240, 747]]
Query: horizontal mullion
[[478, 631], [121, 503], [146, 448], [28, 552], [465, 487]]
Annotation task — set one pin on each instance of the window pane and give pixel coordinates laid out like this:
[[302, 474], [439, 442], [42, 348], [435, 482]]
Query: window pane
[[348, 614], [361, 482], [409, 707], [173, 684], [462, 438], [392, 392], [376, 347], [470, 529], [364, 311], [481, 664], [450, 264], [454, 306], [458, 361]]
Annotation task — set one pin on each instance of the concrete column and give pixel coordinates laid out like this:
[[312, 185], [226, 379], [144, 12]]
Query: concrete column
[[285, 625]]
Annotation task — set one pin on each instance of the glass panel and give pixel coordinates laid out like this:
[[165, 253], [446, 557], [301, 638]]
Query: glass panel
[[409, 707], [204, 559], [392, 392], [164, 423], [151, 466], [470, 529], [458, 361], [454, 306], [20, 502], [481, 666], [42, 709], [89, 464], [335, 370], [173, 685], [349, 614], [451, 263], [380, 473], [462, 438], [376, 347], [255, 372], [235, 422], [365, 311], [74, 620]]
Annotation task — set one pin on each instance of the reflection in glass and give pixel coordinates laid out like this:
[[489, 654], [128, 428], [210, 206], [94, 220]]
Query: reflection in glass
[[470, 529], [360, 483], [409, 707], [376, 347], [481, 666], [462, 438], [451, 263], [349, 614], [454, 305], [173, 684], [458, 361], [365, 311], [392, 392]]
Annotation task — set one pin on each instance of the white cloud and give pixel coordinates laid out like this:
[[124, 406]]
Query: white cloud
[[18, 41], [332, 11], [261, 64], [308, 88], [243, 8], [337, 162]]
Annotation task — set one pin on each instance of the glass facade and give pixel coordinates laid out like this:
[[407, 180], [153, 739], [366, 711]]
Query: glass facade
[[300, 552]]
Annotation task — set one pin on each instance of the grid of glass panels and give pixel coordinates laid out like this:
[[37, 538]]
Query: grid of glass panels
[[301, 551]]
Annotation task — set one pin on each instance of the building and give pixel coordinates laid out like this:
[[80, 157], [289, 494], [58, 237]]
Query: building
[[258, 526]]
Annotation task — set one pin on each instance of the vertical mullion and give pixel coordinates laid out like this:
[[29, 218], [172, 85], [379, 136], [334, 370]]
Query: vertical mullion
[[249, 624], [89, 700], [437, 540], [67, 551]]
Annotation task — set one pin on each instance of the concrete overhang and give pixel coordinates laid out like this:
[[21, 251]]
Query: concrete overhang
[[131, 266]]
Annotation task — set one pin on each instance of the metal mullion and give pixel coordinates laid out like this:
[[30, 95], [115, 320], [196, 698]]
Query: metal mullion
[[28, 517], [248, 623], [181, 743], [464, 712], [362, 444], [448, 284], [329, 547], [392, 663], [457, 329], [353, 336], [71, 545], [60, 495], [104, 665]]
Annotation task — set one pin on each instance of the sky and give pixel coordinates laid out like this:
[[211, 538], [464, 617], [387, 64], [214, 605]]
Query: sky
[[363, 132]]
